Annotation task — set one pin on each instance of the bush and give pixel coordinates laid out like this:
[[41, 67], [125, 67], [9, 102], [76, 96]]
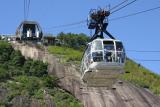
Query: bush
[[3, 74], [39, 94], [50, 81], [31, 84], [5, 51], [35, 68], [17, 59]]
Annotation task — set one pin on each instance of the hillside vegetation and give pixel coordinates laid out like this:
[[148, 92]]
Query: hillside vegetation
[[68, 54], [142, 77], [135, 73], [28, 79], [75, 41]]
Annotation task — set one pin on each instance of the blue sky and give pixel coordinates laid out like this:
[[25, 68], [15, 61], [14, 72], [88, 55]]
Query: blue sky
[[141, 32]]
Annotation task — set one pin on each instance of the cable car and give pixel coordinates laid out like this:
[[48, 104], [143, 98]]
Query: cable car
[[29, 30], [103, 59]]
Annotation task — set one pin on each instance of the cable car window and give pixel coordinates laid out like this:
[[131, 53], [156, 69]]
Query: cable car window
[[120, 52], [97, 45], [108, 45], [27, 27], [119, 46], [97, 56], [109, 53]]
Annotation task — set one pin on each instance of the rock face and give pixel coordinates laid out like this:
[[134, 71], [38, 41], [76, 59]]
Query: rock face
[[122, 95]]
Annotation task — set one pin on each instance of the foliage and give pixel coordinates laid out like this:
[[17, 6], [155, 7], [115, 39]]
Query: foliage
[[142, 77], [17, 59], [25, 77], [5, 51], [50, 81], [35, 68], [30, 84], [39, 93], [76, 41], [3, 74], [64, 99], [68, 54]]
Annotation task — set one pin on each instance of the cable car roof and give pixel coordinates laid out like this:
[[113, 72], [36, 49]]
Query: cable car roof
[[99, 39], [28, 23]]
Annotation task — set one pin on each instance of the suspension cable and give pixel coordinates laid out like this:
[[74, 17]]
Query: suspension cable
[[147, 60], [28, 8], [124, 6], [67, 25], [144, 51], [137, 13], [118, 5], [24, 9], [112, 19]]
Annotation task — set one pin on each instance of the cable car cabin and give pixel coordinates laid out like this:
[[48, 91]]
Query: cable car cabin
[[29, 30], [102, 62]]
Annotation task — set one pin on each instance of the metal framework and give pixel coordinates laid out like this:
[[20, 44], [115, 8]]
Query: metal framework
[[98, 20]]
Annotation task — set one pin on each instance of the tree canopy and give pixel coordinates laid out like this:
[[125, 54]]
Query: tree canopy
[[71, 40]]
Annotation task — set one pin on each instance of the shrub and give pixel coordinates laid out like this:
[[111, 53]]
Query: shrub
[[35, 68], [5, 51], [50, 81], [31, 84], [3, 74], [17, 59]]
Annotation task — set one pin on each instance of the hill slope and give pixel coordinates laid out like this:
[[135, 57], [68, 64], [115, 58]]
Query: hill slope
[[26, 83], [125, 95], [135, 73]]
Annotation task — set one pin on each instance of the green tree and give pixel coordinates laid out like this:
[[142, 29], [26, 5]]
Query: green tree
[[5, 51], [76, 41]]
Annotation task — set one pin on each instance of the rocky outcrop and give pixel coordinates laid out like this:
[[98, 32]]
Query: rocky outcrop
[[3, 94], [122, 95]]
